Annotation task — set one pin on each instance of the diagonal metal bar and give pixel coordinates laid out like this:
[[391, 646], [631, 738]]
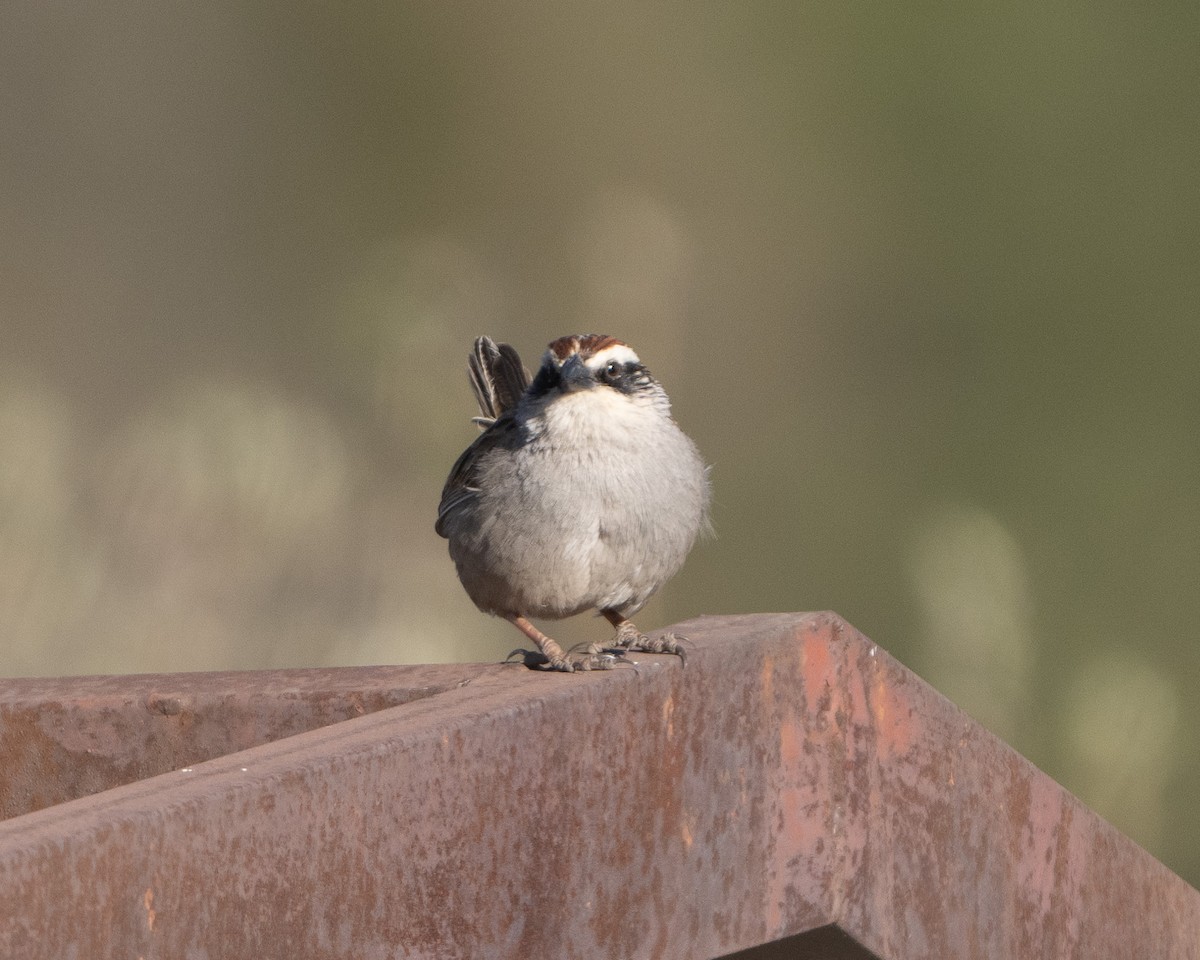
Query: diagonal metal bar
[[67, 737], [793, 789]]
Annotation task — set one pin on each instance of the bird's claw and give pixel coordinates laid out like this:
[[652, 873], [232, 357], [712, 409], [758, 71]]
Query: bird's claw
[[570, 663], [632, 640], [531, 658]]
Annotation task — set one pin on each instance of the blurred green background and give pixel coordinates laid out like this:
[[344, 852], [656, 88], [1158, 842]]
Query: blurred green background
[[921, 280]]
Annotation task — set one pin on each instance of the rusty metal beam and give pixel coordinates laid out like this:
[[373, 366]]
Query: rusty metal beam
[[793, 789], [64, 738]]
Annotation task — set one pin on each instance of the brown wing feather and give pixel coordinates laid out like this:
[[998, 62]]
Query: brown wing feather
[[461, 486], [499, 379]]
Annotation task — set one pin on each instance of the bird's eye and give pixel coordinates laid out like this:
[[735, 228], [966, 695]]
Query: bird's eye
[[612, 370]]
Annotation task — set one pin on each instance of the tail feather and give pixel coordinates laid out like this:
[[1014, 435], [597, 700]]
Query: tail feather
[[497, 377]]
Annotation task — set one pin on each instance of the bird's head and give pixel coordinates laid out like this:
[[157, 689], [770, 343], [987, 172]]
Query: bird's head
[[586, 362]]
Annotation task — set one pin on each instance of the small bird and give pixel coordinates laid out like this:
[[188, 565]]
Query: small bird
[[581, 494]]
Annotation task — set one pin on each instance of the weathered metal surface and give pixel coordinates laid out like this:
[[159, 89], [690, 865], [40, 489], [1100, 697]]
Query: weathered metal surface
[[793, 778], [64, 738]]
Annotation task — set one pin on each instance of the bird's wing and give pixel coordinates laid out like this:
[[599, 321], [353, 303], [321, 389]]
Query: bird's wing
[[498, 378], [462, 486]]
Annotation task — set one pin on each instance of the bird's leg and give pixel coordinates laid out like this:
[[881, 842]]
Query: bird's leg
[[629, 637], [550, 656]]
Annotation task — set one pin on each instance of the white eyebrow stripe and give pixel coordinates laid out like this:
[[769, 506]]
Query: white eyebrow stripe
[[618, 352]]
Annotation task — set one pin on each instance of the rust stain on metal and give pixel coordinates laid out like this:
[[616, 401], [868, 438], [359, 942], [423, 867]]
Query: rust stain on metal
[[148, 905], [64, 738], [794, 784]]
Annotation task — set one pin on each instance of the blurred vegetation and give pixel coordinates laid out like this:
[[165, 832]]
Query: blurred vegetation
[[921, 280]]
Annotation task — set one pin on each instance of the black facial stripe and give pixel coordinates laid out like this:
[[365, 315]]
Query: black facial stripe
[[628, 378]]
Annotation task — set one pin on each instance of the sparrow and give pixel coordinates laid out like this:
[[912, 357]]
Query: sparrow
[[581, 493]]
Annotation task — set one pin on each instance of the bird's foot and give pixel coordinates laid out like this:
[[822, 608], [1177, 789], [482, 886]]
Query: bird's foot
[[630, 638], [550, 656], [591, 659]]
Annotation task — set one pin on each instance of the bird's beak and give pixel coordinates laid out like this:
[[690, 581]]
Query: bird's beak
[[575, 376]]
